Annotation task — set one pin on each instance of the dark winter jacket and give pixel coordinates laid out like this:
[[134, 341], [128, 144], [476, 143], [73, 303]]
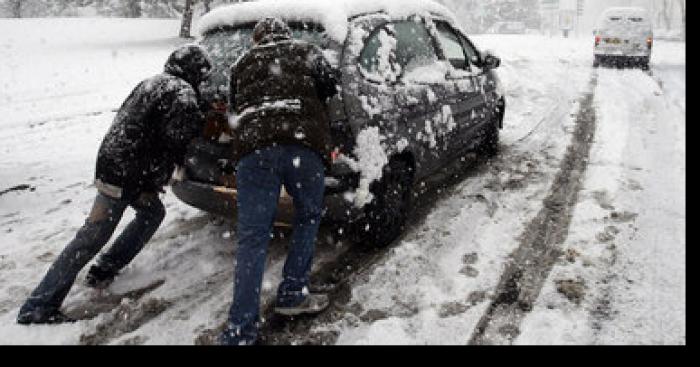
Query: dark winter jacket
[[154, 126], [278, 92]]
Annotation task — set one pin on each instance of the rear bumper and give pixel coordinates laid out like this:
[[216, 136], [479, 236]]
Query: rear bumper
[[222, 201], [622, 52], [623, 55], [622, 60]]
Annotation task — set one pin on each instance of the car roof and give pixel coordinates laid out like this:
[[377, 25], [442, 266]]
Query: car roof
[[636, 11], [333, 16]]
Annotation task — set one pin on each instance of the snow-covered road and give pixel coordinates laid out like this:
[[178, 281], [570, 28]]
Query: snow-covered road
[[622, 264]]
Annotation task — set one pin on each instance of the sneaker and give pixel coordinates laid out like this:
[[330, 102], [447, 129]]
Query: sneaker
[[312, 304], [98, 278], [35, 317], [232, 337]]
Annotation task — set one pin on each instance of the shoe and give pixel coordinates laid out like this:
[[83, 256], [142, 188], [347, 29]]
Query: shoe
[[37, 317], [312, 304], [98, 278], [233, 337]]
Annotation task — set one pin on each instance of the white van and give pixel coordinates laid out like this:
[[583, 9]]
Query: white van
[[624, 37]]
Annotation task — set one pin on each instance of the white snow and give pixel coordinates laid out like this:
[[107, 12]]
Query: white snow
[[430, 73], [63, 78], [634, 191], [287, 104], [369, 162]]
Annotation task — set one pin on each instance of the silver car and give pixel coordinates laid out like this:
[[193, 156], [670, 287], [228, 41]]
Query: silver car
[[624, 37]]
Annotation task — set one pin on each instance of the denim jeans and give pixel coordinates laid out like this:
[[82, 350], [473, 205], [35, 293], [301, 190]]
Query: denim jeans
[[260, 177], [98, 229]]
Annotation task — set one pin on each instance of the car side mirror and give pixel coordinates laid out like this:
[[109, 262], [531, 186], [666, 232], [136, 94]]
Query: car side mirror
[[491, 62]]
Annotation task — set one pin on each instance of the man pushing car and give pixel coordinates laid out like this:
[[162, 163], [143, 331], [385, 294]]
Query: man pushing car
[[148, 138], [279, 93]]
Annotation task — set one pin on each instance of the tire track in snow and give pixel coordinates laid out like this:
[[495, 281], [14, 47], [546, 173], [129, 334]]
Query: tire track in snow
[[540, 244]]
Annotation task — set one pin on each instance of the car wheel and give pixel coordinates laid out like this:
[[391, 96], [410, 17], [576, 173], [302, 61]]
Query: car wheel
[[385, 217], [596, 62], [490, 145], [645, 64]]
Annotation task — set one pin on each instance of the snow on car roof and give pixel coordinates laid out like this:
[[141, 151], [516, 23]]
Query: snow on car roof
[[333, 15]]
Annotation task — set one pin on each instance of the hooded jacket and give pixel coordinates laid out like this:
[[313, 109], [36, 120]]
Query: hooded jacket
[[279, 91], [153, 127]]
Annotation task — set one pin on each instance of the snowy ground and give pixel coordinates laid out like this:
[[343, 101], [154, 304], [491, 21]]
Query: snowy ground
[[625, 245]]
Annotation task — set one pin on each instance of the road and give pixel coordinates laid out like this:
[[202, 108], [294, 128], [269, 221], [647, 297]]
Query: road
[[573, 234]]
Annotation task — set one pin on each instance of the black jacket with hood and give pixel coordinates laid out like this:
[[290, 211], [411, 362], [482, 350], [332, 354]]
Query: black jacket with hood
[[279, 91], [153, 128]]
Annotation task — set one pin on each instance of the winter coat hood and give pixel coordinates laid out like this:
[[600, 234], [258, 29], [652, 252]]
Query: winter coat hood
[[191, 63]]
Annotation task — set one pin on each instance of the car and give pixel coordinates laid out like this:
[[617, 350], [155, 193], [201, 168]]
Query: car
[[507, 28], [410, 78], [624, 37]]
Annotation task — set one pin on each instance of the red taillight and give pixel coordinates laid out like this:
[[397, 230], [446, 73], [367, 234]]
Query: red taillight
[[334, 155], [219, 106], [650, 42], [216, 121], [597, 40]]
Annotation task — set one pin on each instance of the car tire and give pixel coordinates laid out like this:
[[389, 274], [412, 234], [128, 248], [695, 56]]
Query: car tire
[[490, 145], [385, 217], [596, 62], [645, 64]]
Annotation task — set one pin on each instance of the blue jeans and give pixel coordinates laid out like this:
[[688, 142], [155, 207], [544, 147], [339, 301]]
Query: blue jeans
[[99, 227], [260, 177]]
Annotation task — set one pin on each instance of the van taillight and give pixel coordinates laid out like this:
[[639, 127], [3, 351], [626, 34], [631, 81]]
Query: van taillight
[[650, 42], [597, 40]]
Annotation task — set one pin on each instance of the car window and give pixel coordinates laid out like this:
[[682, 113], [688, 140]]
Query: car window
[[397, 48], [470, 50], [451, 45], [378, 58], [225, 46], [414, 48]]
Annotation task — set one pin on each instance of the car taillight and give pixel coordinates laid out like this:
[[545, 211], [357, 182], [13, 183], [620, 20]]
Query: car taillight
[[597, 40], [650, 42], [335, 154], [216, 122]]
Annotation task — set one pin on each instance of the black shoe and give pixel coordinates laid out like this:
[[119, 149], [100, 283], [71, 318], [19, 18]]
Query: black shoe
[[98, 278], [36, 317]]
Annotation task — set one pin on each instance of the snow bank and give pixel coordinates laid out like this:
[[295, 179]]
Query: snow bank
[[332, 15]]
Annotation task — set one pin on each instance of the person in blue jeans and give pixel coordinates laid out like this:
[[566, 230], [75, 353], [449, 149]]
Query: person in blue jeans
[[279, 92]]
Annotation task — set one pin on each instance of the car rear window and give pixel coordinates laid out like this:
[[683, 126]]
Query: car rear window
[[226, 45]]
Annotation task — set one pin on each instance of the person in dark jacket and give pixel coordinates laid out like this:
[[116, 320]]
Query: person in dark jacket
[[148, 138], [279, 91]]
